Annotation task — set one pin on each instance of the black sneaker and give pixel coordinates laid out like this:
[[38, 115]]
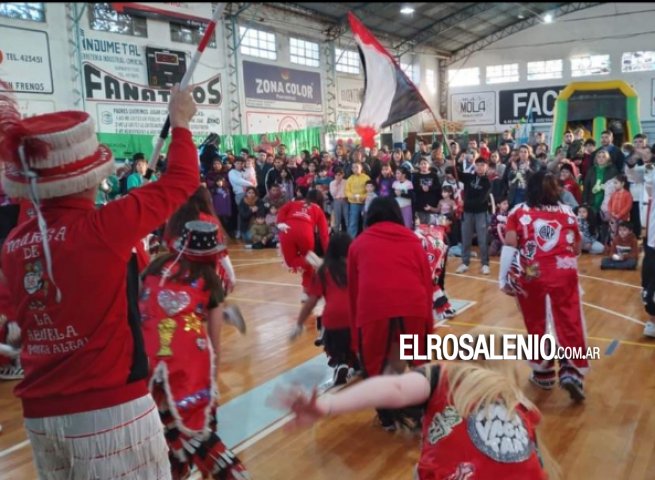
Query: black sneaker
[[318, 341], [543, 380], [341, 374], [574, 386], [387, 421]]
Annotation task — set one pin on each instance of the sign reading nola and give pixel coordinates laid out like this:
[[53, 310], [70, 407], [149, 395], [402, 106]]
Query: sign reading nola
[[537, 105], [473, 108], [269, 86]]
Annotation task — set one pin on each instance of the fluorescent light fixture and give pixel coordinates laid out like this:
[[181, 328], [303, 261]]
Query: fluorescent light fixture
[[407, 10], [548, 18]]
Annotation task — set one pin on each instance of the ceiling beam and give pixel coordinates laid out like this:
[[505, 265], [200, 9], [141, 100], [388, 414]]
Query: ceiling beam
[[441, 25], [478, 45]]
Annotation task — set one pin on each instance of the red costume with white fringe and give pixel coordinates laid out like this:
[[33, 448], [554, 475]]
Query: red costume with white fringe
[[546, 276], [432, 239], [304, 221], [480, 447], [182, 374]]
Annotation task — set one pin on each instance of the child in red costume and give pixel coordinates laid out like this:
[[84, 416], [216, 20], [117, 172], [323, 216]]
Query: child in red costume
[[434, 242], [330, 283], [539, 266], [476, 422], [180, 308], [200, 207], [299, 222]]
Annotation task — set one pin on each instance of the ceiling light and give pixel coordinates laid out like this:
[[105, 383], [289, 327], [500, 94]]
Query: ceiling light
[[407, 10], [548, 18]]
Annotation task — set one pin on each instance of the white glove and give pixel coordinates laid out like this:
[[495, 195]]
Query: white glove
[[226, 263], [13, 334], [506, 258], [283, 227]]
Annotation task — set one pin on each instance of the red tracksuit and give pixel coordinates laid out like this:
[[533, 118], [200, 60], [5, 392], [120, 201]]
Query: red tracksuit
[[473, 448], [432, 239], [303, 220], [390, 287], [547, 241], [83, 354]]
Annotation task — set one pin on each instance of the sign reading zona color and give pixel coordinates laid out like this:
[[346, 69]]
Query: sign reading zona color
[[285, 88], [539, 103]]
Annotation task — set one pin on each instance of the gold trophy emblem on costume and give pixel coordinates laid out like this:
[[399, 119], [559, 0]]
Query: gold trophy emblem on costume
[[166, 329]]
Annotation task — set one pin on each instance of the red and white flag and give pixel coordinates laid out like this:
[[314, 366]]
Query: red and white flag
[[389, 95]]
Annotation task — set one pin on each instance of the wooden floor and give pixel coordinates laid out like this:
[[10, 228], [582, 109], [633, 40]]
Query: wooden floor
[[610, 436]]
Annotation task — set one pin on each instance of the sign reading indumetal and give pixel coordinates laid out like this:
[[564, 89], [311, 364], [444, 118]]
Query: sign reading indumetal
[[535, 104], [284, 88]]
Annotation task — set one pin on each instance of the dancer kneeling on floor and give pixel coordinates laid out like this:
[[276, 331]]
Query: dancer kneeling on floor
[[477, 423], [330, 282], [182, 319]]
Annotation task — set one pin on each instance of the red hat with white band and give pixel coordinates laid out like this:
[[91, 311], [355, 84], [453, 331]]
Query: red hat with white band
[[60, 151]]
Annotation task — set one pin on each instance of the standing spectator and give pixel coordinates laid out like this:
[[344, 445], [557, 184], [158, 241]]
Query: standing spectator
[[594, 184], [239, 185], [339, 201], [616, 156], [427, 191], [477, 188], [273, 175], [85, 395], [356, 195], [138, 177], [620, 204], [403, 189], [648, 264]]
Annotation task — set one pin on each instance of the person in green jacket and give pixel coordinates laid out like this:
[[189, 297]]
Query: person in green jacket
[[594, 183]]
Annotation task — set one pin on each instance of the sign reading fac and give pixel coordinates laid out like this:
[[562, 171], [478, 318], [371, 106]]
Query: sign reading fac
[[269, 86], [534, 104], [473, 108], [25, 60]]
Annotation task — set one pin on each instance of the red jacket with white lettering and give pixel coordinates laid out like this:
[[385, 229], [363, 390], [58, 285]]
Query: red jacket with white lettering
[[84, 354]]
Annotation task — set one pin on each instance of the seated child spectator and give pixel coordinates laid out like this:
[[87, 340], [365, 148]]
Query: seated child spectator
[[624, 250], [587, 226], [260, 233], [275, 197], [271, 221], [620, 204]]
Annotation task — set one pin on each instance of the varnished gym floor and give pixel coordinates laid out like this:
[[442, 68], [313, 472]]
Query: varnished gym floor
[[610, 436]]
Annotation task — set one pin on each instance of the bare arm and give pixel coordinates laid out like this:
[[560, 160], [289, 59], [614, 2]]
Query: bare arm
[[391, 391], [214, 326]]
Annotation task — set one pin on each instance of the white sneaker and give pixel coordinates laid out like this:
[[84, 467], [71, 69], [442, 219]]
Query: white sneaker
[[233, 316], [463, 268], [485, 270], [11, 372], [649, 329]]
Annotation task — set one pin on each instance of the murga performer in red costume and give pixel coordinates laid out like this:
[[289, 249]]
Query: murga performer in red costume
[[301, 224], [476, 422], [539, 266], [182, 319], [433, 240]]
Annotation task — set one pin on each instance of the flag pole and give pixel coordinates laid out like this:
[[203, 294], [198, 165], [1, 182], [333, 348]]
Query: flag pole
[[184, 83]]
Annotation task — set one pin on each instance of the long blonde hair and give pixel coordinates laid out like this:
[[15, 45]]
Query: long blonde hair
[[477, 385]]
